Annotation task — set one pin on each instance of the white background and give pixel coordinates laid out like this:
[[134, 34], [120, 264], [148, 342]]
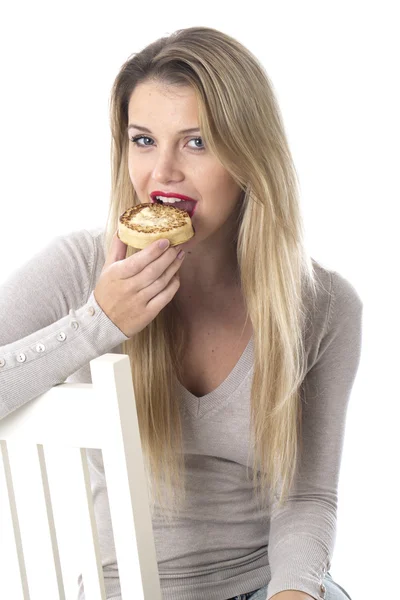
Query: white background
[[334, 69]]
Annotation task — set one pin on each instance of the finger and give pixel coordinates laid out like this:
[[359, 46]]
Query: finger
[[149, 289], [138, 262], [158, 302]]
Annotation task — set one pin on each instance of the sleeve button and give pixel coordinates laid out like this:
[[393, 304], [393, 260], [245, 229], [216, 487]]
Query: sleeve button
[[61, 336], [40, 348], [21, 357], [91, 311], [322, 588], [2, 362]]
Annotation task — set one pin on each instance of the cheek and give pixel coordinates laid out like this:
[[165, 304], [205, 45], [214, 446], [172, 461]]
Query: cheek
[[130, 167], [138, 172], [223, 190], [134, 174], [130, 174]]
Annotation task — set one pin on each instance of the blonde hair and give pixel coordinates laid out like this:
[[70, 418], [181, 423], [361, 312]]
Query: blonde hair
[[241, 125]]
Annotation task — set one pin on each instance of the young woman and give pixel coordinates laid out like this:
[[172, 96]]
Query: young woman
[[243, 348]]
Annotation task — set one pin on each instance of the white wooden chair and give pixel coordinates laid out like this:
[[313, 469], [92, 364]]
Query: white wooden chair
[[57, 426]]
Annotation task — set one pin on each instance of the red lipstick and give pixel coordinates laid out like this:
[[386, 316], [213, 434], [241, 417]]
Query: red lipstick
[[189, 204], [171, 195]]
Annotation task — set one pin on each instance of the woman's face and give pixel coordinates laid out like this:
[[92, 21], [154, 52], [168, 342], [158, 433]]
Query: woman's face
[[165, 159]]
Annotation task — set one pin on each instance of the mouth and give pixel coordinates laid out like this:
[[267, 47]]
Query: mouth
[[176, 200]]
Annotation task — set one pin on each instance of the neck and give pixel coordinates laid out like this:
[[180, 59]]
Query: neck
[[208, 285], [212, 264], [206, 272]]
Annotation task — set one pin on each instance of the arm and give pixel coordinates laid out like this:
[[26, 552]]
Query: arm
[[302, 532], [50, 322]]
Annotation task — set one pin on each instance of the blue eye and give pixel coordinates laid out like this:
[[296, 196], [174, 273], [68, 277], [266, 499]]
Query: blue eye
[[136, 139], [196, 140]]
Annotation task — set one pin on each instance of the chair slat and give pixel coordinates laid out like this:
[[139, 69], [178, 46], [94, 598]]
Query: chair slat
[[16, 586], [50, 519], [61, 464], [88, 543], [127, 483], [38, 574], [73, 417]]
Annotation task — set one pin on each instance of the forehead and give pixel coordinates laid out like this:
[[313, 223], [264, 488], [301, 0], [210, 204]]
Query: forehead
[[154, 99]]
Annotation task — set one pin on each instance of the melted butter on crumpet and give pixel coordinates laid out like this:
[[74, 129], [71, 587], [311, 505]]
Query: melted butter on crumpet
[[147, 218]]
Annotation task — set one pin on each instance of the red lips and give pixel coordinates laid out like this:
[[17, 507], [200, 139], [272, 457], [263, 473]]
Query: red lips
[[189, 206], [171, 195]]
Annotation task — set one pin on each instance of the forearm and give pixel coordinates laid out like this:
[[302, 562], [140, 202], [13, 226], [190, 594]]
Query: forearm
[[291, 595]]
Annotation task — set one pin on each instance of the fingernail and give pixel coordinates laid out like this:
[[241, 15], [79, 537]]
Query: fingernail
[[163, 244]]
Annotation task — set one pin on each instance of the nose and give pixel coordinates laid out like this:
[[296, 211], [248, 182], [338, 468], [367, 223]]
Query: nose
[[166, 168]]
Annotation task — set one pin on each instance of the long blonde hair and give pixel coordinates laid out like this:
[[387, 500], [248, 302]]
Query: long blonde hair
[[240, 123]]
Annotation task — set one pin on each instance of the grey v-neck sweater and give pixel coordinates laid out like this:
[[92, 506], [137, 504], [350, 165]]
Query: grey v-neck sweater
[[221, 545]]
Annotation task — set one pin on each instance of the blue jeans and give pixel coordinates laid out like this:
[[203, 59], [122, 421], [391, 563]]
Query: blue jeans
[[333, 592]]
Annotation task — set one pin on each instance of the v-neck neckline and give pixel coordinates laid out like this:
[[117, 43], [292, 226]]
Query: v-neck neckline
[[198, 406]]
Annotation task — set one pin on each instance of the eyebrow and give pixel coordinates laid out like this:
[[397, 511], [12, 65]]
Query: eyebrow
[[134, 126]]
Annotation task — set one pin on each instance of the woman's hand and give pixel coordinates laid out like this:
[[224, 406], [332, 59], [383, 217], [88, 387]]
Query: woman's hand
[[132, 291]]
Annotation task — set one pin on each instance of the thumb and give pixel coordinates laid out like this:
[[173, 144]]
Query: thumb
[[117, 251]]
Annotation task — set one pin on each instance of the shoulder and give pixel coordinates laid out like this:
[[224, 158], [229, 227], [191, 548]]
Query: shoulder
[[83, 246], [75, 242], [336, 293], [89, 247], [76, 257], [91, 239], [335, 305], [97, 236]]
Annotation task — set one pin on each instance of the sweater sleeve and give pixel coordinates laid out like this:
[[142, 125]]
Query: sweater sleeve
[[50, 322], [303, 530]]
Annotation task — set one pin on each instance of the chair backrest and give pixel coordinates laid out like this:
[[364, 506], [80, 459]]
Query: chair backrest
[[64, 421]]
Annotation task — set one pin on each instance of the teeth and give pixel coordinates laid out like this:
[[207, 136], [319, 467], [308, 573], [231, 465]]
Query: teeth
[[168, 200]]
